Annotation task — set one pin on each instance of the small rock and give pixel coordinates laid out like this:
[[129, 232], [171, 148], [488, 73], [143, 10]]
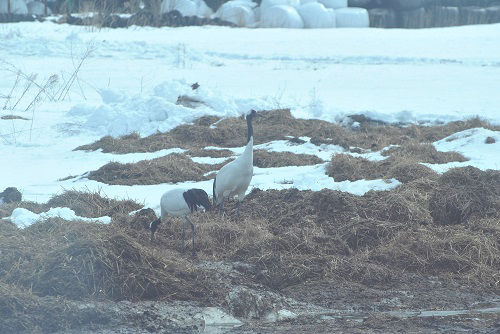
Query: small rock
[[10, 194], [490, 140]]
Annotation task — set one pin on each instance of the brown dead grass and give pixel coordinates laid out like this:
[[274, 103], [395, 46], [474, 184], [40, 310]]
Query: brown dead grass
[[24, 312], [80, 260], [346, 167], [423, 152], [276, 125], [91, 204], [178, 167], [464, 193], [403, 163], [266, 159], [171, 168]]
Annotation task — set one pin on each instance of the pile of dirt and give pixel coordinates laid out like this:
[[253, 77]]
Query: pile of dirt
[[79, 260], [279, 125], [172, 168], [464, 194]]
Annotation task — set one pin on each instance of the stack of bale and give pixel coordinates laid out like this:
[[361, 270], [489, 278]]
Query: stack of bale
[[293, 14], [429, 13]]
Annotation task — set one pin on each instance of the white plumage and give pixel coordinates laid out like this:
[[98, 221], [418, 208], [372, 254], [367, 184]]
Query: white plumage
[[234, 178], [180, 203]]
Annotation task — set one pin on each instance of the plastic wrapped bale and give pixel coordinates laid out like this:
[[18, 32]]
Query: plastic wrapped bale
[[382, 18], [202, 9], [239, 12], [352, 18], [16, 7], [185, 7], [281, 16], [315, 15], [271, 3], [334, 4]]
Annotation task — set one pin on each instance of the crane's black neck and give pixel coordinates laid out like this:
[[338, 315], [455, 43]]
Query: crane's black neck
[[250, 128]]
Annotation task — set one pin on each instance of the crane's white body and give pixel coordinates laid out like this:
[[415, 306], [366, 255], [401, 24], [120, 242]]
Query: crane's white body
[[234, 178], [173, 203]]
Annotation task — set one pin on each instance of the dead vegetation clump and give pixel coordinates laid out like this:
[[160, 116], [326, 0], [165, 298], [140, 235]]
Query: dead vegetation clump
[[79, 260], [346, 167], [171, 168], [91, 204], [435, 250], [24, 312], [7, 208], [465, 193], [279, 125], [199, 152], [266, 159], [423, 152]]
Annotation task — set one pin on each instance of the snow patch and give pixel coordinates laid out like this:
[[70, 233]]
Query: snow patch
[[24, 218], [471, 144]]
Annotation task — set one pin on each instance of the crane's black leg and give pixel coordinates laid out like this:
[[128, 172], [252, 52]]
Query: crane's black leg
[[221, 206], [183, 233], [238, 210], [192, 232]]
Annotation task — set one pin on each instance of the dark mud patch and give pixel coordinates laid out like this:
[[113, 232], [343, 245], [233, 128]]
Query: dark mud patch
[[280, 125]]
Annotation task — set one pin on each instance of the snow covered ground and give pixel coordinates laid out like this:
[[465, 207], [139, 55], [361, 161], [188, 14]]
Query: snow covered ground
[[132, 78]]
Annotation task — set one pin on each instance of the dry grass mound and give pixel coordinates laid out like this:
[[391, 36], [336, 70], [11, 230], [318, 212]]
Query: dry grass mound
[[172, 168], [346, 167], [435, 250], [24, 312], [276, 125], [91, 204], [80, 260], [465, 193], [7, 208], [266, 159], [423, 152]]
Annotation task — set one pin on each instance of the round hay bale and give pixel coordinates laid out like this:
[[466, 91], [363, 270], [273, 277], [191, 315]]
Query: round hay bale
[[238, 12], [281, 16], [315, 15], [463, 193], [352, 18]]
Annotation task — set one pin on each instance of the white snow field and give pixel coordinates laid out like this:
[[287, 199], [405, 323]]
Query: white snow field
[[132, 77]]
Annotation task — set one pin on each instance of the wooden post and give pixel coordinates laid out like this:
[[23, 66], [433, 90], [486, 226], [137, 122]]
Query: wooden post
[[8, 7], [45, 11]]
